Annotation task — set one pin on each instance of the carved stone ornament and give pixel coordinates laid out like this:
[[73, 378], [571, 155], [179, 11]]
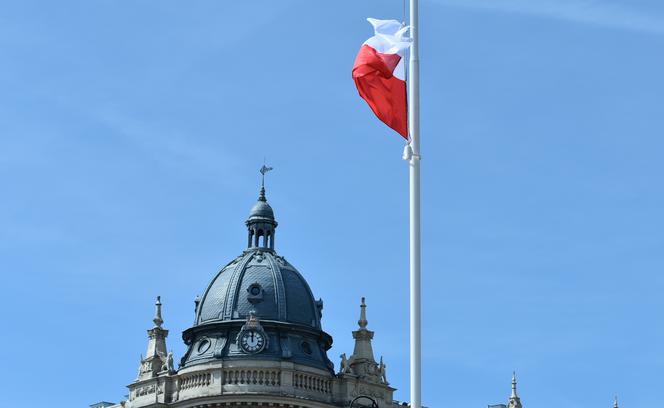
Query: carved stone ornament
[[382, 367], [345, 364], [219, 347], [168, 365], [370, 391]]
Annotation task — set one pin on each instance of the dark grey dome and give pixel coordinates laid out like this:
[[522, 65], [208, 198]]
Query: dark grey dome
[[261, 210], [262, 281], [262, 287]]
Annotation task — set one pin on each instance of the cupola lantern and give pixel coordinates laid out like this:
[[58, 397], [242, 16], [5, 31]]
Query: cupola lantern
[[261, 223]]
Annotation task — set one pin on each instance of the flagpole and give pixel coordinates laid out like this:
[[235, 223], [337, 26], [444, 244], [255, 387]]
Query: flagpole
[[414, 166]]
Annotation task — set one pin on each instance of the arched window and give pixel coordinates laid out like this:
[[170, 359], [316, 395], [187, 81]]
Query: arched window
[[259, 234]]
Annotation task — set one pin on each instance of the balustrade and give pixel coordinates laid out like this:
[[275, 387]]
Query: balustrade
[[270, 378]]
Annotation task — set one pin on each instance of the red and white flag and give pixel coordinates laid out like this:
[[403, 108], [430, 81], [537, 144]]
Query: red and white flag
[[380, 75]]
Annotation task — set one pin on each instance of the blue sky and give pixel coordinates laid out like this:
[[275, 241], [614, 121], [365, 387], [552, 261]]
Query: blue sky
[[131, 134]]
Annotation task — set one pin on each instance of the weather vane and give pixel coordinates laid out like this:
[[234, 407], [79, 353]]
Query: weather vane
[[264, 170]]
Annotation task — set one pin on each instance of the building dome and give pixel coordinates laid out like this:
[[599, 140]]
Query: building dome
[[257, 340], [263, 282], [259, 281], [258, 288]]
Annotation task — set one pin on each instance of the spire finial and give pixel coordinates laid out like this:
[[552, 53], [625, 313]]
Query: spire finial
[[615, 402], [363, 315], [157, 314], [514, 401], [263, 170], [513, 385]]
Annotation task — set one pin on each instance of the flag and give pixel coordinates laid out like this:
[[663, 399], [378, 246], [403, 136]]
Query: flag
[[380, 76]]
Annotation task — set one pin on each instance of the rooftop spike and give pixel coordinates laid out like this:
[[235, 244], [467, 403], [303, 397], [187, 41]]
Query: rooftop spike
[[362, 362], [513, 385], [363, 315], [515, 401], [156, 356], [158, 321]]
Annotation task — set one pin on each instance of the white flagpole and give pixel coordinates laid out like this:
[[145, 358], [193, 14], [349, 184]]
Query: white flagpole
[[414, 165]]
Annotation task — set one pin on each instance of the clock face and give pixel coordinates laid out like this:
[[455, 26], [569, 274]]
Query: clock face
[[252, 341]]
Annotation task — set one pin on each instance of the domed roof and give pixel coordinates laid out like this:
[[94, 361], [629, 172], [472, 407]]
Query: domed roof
[[262, 287], [264, 282], [261, 210]]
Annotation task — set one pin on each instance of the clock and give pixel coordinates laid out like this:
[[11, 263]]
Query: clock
[[252, 341], [252, 338]]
